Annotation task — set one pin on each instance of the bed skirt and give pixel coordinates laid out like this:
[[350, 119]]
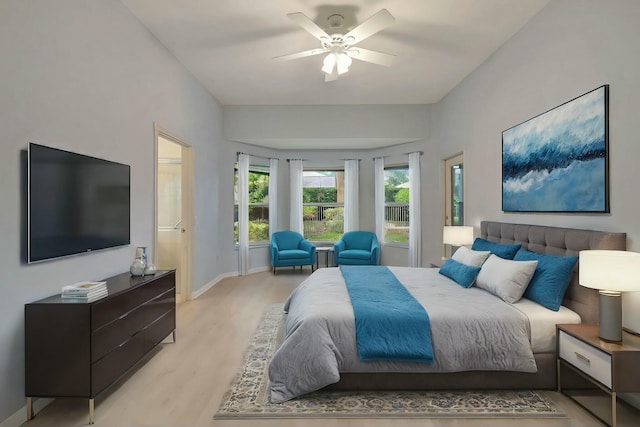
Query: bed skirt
[[544, 379]]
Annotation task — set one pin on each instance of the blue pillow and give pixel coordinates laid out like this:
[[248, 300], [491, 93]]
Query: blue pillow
[[551, 279], [463, 275], [503, 250]]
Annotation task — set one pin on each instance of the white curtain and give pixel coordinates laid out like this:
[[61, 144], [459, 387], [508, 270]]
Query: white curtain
[[351, 195], [415, 232], [243, 214], [378, 169], [273, 196], [295, 200]]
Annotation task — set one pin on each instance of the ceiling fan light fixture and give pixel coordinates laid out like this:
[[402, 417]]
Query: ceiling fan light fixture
[[328, 63], [343, 62]]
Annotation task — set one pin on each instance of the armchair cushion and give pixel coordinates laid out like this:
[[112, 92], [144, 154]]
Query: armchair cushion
[[292, 254], [355, 254]]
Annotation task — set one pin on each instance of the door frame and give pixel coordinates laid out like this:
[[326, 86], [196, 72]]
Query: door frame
[[184, 273]]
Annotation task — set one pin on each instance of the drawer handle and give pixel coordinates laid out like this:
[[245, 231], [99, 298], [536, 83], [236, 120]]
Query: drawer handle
[[585, 359]]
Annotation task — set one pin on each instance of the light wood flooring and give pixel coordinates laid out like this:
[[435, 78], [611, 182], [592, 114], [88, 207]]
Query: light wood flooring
[[183, 383]]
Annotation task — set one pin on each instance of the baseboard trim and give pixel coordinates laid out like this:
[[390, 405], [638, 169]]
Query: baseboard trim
[[222, 276], [631, 398], [20, 416], [195, 294], [259, 270]]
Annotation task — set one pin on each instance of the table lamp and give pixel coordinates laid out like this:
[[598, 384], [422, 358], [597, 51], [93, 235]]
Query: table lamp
[[611, 272], [457, 235]]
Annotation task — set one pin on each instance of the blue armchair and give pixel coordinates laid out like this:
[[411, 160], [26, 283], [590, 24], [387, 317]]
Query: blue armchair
[[357, 248], [290, 249]]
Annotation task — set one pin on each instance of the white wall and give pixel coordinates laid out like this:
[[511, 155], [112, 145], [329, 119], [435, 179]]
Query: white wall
[[87, 77], [569, 48], [367, 126]]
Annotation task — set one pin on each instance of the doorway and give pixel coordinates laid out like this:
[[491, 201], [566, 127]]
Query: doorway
[[173, 210]]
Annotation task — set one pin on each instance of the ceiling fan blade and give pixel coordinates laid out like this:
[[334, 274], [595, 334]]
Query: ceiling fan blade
[[302, 54], [367, 55], [309, 26], [377, 22]]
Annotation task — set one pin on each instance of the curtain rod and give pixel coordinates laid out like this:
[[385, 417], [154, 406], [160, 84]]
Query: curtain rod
[[255, 155], [303, 160]]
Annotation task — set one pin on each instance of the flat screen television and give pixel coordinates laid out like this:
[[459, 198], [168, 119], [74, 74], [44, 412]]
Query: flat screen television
[[75, 203]]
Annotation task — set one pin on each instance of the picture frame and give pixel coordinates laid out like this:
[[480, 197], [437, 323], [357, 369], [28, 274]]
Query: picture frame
[[558, 161]]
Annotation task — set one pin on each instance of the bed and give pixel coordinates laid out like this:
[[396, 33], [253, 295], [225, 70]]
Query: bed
[[330, 359]]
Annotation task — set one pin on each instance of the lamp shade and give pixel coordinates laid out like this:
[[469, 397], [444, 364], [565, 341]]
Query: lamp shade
[[457, 235], [617, 271]]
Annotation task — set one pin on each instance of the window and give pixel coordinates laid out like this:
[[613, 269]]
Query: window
[[323, 204], [258, 204], [396, 204], [454, 195], [454, 204]]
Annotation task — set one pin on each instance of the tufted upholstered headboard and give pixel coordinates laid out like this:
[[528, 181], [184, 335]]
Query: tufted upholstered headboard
[[559, 241]]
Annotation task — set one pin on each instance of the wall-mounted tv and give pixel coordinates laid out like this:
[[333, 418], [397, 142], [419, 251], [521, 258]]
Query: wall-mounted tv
[[75, 203]]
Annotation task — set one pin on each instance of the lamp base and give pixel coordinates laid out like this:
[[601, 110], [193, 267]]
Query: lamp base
[[610, 315]]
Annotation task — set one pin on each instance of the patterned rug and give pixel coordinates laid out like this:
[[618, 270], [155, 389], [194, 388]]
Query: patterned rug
[[248, 394]]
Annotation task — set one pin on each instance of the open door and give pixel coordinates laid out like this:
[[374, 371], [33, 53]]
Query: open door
[[174, 200]]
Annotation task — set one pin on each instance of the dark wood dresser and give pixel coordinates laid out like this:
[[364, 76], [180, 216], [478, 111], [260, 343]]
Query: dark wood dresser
[[78, 349]]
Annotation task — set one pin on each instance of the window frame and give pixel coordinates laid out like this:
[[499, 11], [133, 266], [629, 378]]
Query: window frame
[[256, 169], [395, 166], [336, 204], [449, 164]]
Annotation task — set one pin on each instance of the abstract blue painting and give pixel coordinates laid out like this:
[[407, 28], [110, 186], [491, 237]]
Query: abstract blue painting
[[558, 161]]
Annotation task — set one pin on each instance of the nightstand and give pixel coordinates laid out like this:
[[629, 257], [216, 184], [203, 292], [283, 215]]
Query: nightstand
[[613, 367]]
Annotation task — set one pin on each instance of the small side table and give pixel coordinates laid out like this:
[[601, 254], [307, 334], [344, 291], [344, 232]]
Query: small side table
[[328, 251], [613, 367]]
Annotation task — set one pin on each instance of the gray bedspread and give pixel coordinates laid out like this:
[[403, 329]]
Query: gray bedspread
[[470, 328]]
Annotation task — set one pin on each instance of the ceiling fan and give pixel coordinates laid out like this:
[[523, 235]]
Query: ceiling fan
[[340, 45]]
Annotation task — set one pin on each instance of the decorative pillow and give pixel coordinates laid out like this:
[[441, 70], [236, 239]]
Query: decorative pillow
[[463, 275], [467, 256], [551, 278], [503, 250], [505, 278]]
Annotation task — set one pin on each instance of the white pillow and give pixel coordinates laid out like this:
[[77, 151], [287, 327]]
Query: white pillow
[[505, 278], [470, 257]]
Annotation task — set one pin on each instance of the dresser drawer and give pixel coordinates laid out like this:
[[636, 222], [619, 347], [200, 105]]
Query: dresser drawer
[[116, 363], [588, 359], [111, 335], [158, 306], [111, 309], [159, 330], [160, 286]]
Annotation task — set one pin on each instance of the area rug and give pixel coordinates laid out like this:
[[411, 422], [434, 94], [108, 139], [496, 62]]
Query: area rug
[[248, 394]]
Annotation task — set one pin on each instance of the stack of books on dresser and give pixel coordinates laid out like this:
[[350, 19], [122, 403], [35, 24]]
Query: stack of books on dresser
[[85, 291]]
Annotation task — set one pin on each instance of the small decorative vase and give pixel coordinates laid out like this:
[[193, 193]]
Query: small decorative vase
[[150, 269], [138, 267], [140, 262]]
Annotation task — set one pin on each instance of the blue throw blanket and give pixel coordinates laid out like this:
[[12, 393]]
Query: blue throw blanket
[[390, 323]]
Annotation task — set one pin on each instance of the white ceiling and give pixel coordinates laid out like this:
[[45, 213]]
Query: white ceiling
[[229, 44]]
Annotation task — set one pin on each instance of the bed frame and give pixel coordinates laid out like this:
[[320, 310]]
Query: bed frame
[[584, 301]]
